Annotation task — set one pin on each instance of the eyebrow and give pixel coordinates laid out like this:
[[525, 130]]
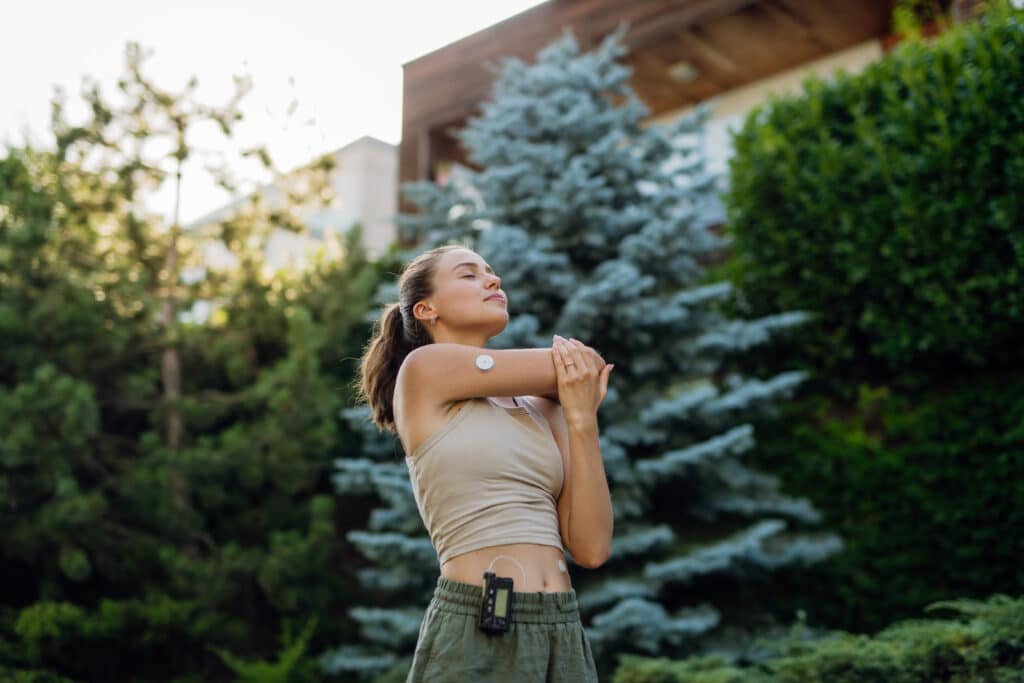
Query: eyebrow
[[472, 265]]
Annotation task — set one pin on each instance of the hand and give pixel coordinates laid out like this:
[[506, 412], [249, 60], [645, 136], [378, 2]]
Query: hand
[[582, 382], [599, 361]]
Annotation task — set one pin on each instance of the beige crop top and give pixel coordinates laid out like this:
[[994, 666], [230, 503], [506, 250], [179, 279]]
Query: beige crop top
[[488, 476]]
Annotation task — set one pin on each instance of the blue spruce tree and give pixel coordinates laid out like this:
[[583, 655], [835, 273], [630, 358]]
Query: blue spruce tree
[[599, 227]]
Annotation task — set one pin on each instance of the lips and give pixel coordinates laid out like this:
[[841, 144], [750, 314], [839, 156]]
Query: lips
[[496, 296]]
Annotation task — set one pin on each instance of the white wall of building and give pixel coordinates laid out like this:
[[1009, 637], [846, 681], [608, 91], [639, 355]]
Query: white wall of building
[[732, 106], [365, 186]]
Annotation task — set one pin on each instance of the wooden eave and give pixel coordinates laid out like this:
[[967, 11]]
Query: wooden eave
[[729, 42]]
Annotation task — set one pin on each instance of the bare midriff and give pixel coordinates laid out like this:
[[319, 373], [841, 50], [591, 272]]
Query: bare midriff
[[539, 562]]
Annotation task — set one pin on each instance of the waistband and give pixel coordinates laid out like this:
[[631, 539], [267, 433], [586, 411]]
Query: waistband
[[527, 607]]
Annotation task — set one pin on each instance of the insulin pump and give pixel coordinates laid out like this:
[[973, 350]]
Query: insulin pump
[[497, 602], [496, 607]]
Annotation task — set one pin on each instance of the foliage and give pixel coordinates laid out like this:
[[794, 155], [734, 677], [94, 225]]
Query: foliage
[[891, 203], [23, 676], [927, 490], [910, 17], [983, 643], [290, 666], [65, 636], [895, 210], [165, 481]]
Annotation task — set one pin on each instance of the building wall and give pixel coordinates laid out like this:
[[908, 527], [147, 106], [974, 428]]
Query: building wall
[[365, 185], [732, 106], [377, 192]]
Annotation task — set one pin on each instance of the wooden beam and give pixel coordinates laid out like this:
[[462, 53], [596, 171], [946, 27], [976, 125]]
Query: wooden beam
[[730, 42], [839, 23], [797, 23], [685, 14], [423, 154], [695, 40]]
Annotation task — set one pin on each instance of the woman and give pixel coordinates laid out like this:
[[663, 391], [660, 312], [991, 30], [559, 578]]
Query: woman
[[503, 453]]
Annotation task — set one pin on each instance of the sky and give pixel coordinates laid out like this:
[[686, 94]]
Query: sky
[[340, 60]]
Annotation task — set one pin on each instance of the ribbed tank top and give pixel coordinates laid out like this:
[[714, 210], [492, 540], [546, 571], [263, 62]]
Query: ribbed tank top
[[489, 476]]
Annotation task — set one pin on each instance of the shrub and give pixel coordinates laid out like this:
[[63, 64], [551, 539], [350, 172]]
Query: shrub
[[984, 643], [927, 492], [892, 203]]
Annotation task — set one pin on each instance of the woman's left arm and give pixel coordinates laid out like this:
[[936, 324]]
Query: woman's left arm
[[584, 504]]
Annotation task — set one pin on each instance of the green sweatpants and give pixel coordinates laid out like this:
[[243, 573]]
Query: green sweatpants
[[545, 641]]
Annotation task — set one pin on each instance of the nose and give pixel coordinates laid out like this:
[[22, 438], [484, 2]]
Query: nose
[[495, 281]]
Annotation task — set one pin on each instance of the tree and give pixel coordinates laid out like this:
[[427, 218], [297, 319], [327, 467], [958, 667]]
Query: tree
[[601, 229], [165, 482]]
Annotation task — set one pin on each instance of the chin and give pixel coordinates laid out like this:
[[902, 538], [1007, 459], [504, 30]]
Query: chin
[[498, 329]]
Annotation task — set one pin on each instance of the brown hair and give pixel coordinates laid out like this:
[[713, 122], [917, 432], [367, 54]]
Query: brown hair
[[396, 333]]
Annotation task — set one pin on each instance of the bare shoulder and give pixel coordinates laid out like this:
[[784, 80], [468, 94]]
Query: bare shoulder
[[418, 413]]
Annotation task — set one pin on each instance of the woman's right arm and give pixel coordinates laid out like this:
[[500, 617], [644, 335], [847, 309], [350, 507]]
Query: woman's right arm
[[449, 372]]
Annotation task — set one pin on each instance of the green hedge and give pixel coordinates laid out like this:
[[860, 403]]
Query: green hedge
[[892, 203], [927, 492], [986, 646], [157, 635]]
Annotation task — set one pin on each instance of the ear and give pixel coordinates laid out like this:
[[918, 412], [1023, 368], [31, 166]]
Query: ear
[[423, 310]]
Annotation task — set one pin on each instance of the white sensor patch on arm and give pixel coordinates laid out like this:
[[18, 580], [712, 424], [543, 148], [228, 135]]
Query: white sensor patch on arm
[[485, 362], [561, 566]]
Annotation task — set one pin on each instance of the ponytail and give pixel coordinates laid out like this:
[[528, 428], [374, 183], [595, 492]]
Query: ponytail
[[396, 333]]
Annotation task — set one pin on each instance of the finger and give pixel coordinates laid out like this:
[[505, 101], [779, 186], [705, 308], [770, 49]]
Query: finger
[[596, 361], [563, 354], [573, 364], [572, 356], [561, 374], [581, 355], [606, 372]]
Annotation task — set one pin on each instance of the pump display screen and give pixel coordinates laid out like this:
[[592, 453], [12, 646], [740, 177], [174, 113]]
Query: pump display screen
[[501, 603]]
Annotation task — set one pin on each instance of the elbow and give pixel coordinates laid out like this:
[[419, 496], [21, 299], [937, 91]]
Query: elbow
[[594, 559]]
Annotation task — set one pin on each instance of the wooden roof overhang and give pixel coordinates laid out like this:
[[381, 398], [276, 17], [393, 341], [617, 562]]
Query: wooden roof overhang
[[728, 43]]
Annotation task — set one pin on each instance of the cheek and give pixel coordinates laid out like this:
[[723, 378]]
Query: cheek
[[471, 292], [464, 295]]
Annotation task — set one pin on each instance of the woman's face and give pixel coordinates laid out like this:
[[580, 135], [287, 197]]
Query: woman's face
[[467, 295]]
